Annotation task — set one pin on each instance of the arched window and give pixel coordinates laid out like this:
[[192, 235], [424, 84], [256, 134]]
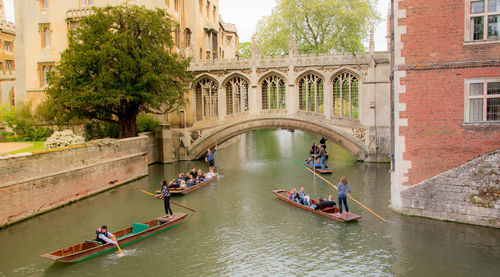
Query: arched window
[[311, 93], [273, 93], [345, 95], [236, 95], [187, 37], [12, 97], [206, 99]]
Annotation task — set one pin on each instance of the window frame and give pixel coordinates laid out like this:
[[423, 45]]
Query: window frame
[[485, 15], [41, 65], [44, 5], [484, 96], [41, 27]]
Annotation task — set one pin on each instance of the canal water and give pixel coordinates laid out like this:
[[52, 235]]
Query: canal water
[[241, 229]]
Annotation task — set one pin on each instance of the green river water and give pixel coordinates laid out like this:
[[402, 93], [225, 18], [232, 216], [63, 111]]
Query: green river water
[[242, 229]]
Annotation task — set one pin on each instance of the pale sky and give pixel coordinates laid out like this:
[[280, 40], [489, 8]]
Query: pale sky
[[245, 15]]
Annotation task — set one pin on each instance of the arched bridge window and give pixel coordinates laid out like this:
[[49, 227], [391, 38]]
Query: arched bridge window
[[345, 95], [273, 93], [311, 92], [206, 99], [236, 95]]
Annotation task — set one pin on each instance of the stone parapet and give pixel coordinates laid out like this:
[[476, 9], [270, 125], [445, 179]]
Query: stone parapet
[[469, 193], [38, 183]]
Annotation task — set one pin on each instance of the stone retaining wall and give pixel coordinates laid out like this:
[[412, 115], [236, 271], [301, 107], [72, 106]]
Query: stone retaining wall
[[469, 193], [38, 183]]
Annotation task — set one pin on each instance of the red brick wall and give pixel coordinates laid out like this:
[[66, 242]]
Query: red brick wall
[[435, 137], [435, 34]]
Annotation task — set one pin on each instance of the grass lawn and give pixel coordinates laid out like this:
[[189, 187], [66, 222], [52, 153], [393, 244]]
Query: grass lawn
[[37, 145]]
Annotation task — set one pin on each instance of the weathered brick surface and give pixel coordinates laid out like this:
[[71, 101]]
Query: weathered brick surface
[[34, 184], [448, 196]]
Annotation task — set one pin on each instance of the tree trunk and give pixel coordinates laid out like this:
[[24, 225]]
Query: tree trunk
[[128, 126]]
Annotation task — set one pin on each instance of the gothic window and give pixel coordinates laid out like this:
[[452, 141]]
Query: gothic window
[[44, 5], [12, 97], [484, 20], [187, 35], [311, 93], [206, 99], [273, 93], [9, 66], [44, 69], [87, 3], [482, 100], [7, 45], [236, 95], [45, 34], [345, 95]]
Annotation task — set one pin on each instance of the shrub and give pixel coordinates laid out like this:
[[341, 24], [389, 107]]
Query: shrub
[[63, 138], [98, 129], [146, 123], [23, 123]]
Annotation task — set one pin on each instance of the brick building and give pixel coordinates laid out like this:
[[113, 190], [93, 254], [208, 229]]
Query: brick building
[[7, 63], [445, 88]]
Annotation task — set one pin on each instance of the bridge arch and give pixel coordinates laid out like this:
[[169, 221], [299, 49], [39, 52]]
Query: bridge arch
[[223, 133], [270, 73], [342, 70], [230, 76], [304, 73]]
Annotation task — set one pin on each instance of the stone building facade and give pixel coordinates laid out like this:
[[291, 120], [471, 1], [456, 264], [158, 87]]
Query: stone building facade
[[7, 61], [445, 93], [42, 28]]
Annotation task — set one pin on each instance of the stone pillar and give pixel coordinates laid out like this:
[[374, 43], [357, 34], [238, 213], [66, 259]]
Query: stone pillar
[[165, 144], [327, 99]]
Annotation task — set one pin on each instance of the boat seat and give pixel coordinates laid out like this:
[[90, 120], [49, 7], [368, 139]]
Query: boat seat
[[136, 228]]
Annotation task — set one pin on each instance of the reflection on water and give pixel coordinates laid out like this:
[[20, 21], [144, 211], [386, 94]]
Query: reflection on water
[[240, 228]]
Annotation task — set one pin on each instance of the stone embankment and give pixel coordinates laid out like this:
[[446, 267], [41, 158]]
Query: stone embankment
[[469, 193], [34, 184]]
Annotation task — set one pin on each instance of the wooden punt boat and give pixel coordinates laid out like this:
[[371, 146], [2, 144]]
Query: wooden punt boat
[[193, 188], [319, 170], [136, 232], [331, 212]]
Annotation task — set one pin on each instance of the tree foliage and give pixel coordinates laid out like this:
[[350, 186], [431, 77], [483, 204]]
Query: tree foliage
[[318, 26], [119, 61], [245, 49]]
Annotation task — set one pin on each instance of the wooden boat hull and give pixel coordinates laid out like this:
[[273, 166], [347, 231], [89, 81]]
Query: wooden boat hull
[[332, 213], [193, 188], [89, 249], [319, 170]]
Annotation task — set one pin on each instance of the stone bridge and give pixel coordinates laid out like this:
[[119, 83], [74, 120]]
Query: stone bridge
[[345, 98]]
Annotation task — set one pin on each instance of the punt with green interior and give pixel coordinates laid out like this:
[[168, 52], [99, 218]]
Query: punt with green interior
[[138, 231]]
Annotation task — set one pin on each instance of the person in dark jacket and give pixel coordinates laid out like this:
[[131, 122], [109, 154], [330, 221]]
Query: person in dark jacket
[[209, 157], [165, 194]]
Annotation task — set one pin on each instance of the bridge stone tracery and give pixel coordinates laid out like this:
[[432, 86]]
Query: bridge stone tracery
[[343, 97]]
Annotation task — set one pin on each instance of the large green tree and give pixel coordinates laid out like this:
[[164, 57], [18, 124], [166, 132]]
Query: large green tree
[[119, 61], [318, 26]]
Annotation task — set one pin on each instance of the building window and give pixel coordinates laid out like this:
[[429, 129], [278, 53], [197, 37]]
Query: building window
[[311, 93], [10, 66], [1, 67], [45, 35], [8, 45], [482, 100], [12, 97], [236, 95], [87, 3], [187, 37], [484, 20], [228, 41], [72, 25], [44, 5], [345, 95], [273, 93], [44, 69], [177, 34], [206, 99]]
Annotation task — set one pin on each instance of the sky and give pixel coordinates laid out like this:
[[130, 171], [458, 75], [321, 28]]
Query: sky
[[245, 14]]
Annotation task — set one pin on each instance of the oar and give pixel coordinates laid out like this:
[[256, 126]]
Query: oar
[[118, 246], [170, 201], [352, 198]]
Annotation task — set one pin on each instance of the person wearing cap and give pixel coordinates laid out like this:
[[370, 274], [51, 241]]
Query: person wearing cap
[[103, 236]]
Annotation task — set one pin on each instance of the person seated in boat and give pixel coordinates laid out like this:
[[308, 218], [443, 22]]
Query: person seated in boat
[[201, 176], [322, 203], [210, 174], [293, 195], [193, 173], [103, 236], [304, 198], [191, 181], [183, 185], [312, 162], [180, 178], [173, 184]]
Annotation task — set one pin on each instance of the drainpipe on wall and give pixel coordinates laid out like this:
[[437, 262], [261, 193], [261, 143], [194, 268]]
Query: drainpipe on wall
[[393, 135]]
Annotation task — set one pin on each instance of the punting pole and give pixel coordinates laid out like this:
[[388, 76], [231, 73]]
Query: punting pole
[[146, 192], [348, 195]]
